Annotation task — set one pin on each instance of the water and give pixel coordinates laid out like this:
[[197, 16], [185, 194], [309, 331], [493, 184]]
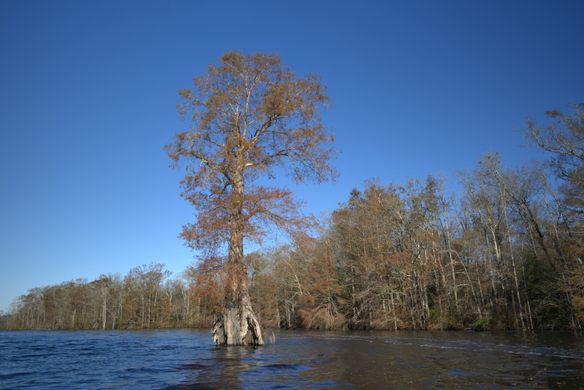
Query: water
[[186, 359]]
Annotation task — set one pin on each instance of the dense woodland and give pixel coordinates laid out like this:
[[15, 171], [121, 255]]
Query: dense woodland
[[505, 253]]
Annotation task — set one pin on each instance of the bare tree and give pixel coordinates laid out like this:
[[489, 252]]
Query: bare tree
[[564, 139]]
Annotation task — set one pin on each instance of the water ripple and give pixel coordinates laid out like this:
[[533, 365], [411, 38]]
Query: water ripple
[[186, 359]]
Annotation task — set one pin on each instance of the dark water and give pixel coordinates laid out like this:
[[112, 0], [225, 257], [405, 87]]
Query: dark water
[[185, 359]]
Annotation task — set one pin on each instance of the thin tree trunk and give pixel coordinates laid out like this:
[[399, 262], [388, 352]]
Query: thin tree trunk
[[515, 279], [104, 312]]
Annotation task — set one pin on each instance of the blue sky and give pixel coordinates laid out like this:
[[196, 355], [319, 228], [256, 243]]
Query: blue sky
[[88, 95]]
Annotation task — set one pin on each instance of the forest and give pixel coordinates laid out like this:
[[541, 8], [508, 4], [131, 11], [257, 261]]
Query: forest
[[503, 253]]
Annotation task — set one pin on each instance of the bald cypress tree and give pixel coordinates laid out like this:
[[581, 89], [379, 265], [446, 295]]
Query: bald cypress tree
[[250, 117]]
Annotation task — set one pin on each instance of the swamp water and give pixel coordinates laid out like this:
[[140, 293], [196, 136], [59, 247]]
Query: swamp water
[[187, 359]]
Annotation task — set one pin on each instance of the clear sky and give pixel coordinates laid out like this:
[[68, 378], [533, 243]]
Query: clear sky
[[88, 95]]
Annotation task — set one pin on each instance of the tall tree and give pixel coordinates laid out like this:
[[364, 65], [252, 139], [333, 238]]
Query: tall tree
[[251, 118]]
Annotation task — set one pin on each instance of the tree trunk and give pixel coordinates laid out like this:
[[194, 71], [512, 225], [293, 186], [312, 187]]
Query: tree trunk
[[237, 325], [104, 312]]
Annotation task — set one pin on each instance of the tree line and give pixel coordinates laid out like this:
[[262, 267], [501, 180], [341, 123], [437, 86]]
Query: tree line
[[505, 253], [406, 257], [144, 298]]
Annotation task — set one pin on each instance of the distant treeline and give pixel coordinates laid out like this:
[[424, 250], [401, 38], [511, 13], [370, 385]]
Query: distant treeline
[[507, 253], [144, 298]]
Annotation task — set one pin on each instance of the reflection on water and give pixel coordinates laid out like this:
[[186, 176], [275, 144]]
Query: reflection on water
[[184, 359], [249, 367], [394, 360], [221, 370]]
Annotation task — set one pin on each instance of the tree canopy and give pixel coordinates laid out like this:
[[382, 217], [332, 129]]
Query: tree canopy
[[251, 117]]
